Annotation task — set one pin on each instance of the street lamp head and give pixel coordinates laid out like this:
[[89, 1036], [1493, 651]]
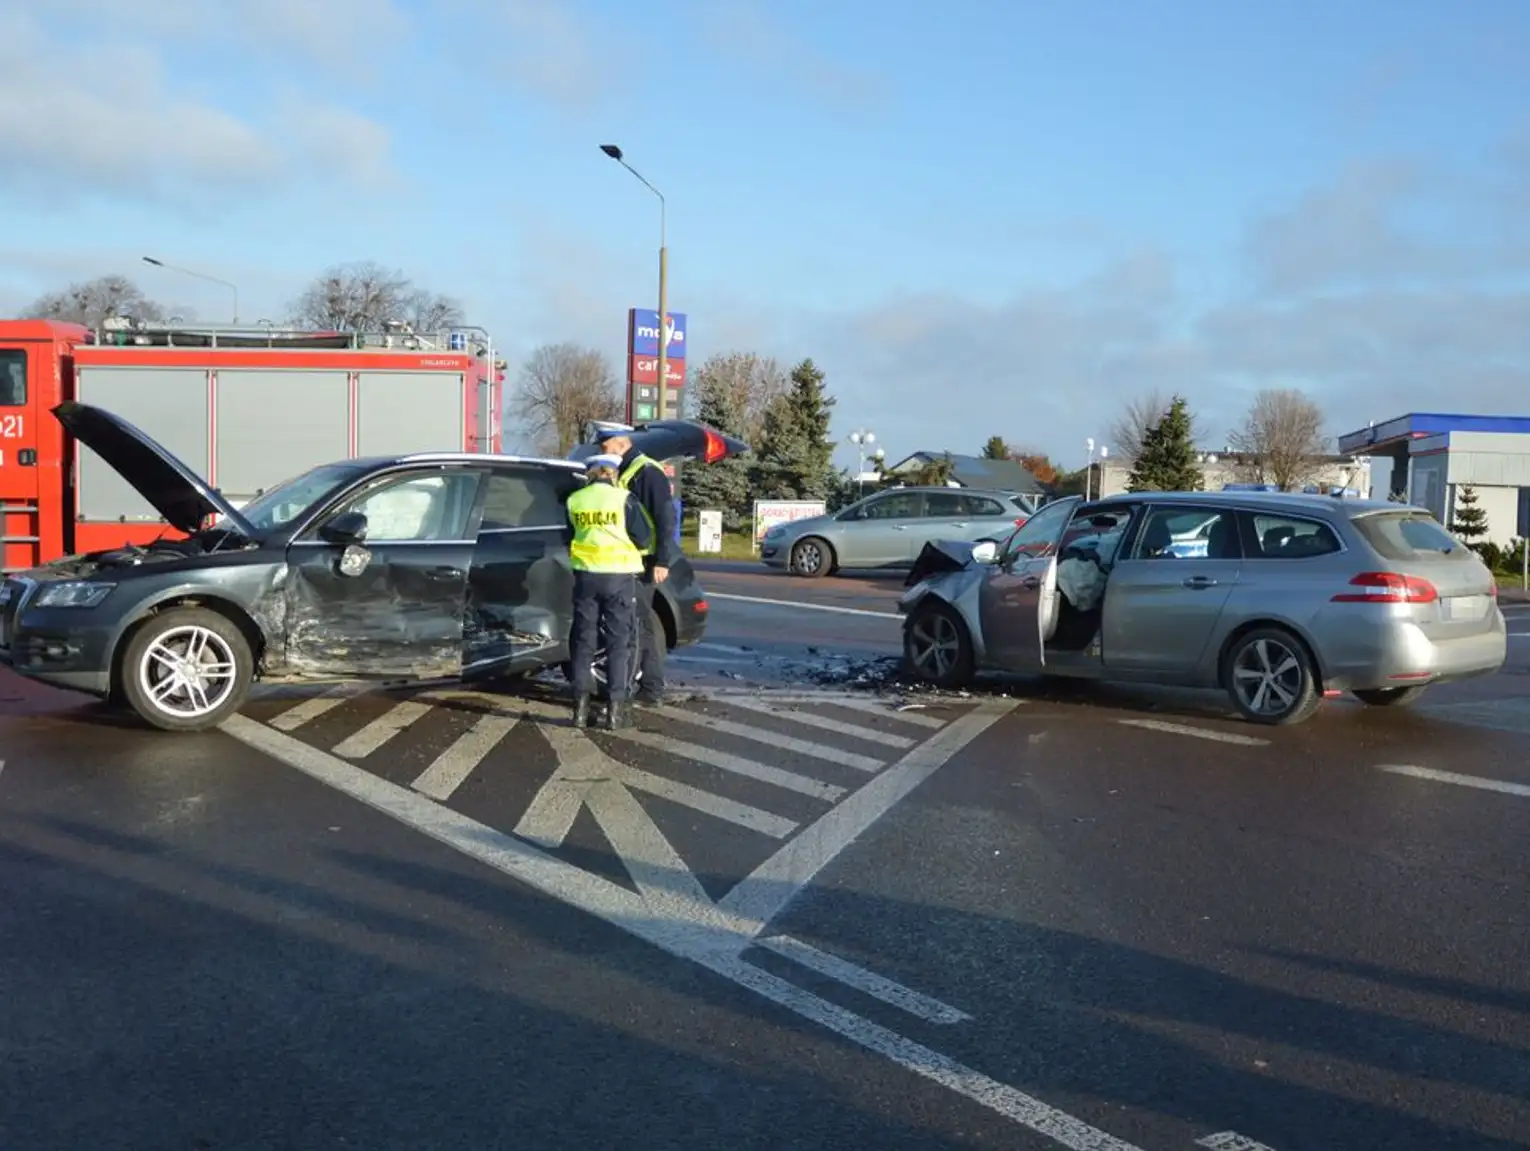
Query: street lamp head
[[612, 150], [152, 260]]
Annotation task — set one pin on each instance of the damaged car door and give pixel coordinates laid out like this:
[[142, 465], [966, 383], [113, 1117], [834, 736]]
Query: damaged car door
[[377, 583], [1018, 603], [521, 586]]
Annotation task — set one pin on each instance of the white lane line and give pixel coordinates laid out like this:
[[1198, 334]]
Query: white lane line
[[310, 709], [888, 710], [711, 595], [550, 815], [761, 896], [736, 764], [754, 818], [877, 986], [855, 701], [823, 722], [1231, 1141], [774, 739], [1477, 781], [715, 949], [669, 888], [381, 729], [1197, 732], [456, 763]]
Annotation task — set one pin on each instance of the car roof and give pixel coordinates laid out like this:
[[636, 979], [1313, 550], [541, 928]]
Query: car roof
[[997, 493], [1264, 501], [369, 462]]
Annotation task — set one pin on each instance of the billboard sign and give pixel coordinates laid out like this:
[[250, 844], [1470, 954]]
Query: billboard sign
[[643, 333], [769, 513], [644, 370]]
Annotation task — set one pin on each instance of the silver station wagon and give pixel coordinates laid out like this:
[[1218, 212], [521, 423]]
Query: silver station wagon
[[1283, 600]]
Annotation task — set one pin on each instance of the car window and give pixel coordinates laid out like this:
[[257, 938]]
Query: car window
[[417, 508], [1410, 535], [1188, 533], [526, 498], [279, 505], [1291, 537], [982, 506], [904, 505], [1038, 536], [945, 505], [13, 378], [1097, 535]]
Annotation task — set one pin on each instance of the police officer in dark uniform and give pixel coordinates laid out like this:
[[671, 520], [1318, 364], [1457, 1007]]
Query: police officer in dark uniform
[[606, 555], [644, 477]]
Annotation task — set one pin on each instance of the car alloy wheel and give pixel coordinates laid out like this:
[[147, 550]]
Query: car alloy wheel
[[1270, 677], [810, 558], [936, 647], [186, 669]]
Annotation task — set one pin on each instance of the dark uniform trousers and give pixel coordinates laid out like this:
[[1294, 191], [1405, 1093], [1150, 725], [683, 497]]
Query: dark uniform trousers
[[603, 598], [654, 649]]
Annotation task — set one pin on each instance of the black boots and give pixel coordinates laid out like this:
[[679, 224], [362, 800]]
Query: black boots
[[581, 711], [618, 715]]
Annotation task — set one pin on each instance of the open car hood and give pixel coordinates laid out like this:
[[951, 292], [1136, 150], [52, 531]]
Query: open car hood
[[670, 440], [939, 556], [174, 490]]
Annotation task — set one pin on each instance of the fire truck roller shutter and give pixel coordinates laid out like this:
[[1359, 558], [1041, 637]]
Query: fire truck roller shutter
[[403, 412], [169, 404], [273, 425]]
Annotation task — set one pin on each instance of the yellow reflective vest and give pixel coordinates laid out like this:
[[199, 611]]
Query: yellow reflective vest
[[598, 513], [624, 481]]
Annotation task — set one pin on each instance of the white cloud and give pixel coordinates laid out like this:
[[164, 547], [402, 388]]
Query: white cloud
[[113, 125]]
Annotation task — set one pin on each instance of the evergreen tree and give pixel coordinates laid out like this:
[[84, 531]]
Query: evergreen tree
[[795, 450], [1470, 520], [724, 485], [1167, 462], [996, 449]]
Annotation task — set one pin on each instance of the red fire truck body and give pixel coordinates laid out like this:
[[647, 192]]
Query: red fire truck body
[[249, 407]]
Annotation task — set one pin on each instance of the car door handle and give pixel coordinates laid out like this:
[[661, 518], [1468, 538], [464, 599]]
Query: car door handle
[[900, 527], [1199, 582], [958, 525]]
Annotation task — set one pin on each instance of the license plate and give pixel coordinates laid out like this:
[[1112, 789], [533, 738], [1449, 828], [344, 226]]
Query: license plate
[[1464, 607]]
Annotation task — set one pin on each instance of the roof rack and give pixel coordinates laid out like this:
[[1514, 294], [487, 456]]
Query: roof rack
[[123, 331]]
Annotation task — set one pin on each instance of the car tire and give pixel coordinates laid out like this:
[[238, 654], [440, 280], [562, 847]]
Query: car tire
[[1270, 677], [144, 670], [812, 558], [932, 628], [1391, 696]]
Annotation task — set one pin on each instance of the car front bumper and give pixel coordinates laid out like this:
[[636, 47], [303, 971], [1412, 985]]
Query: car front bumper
[[63, 648]]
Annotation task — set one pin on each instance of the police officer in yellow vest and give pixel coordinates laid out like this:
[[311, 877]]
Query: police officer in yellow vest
[[644, 477], [606, 554]]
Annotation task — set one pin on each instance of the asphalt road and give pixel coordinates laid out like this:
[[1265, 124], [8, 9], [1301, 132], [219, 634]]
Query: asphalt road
[[1099, 919]]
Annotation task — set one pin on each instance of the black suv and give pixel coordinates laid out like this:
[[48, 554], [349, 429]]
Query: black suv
[[408, 569]]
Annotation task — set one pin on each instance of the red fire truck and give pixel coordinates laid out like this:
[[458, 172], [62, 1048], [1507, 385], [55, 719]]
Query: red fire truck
[[250, 406]]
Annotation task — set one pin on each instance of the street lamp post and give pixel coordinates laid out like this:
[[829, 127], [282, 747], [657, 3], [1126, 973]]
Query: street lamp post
[[1089, 468], [862, 441], [199, 276], [663, 374]]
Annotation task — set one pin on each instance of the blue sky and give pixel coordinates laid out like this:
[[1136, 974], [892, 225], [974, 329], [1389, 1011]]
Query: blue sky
[[978, 217]]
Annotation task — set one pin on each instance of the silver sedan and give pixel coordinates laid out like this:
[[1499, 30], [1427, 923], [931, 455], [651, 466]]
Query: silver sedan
[[1285, 600], [890, 528]]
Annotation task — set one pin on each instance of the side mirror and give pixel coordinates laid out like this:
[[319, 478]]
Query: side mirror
[[985, 551], [345, 529]]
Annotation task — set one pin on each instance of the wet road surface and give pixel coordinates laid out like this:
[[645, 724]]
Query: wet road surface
[[1093, 918]]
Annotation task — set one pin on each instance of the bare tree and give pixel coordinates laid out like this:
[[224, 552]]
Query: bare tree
[[563, 387], [1282, 439], [752, 384], [366, 296], [94, 301], [1139, 417]]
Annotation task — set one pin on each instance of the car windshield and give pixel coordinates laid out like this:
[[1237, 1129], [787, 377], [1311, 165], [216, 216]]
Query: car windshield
[[278, 506]]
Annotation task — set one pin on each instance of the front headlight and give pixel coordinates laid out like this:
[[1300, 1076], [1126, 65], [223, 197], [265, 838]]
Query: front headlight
[[72, 593], [776, 531]]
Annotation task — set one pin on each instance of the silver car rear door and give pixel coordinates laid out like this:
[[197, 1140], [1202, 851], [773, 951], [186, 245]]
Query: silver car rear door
[[1020, 592]]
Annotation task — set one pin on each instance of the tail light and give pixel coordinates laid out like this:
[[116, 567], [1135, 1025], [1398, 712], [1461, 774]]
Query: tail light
[[1020, 523], [716, 447], [1388, 587], [1493, 589], [701, 607]]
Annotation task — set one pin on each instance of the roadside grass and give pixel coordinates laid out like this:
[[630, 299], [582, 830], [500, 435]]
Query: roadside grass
[[735, 546]]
